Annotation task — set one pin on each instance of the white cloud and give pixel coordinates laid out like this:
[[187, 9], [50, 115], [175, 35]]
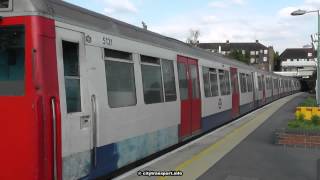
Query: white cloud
[[274, 31], [209, 19], [238, 1], [225, 4], [218, 4], [123, 6], [313, 3]]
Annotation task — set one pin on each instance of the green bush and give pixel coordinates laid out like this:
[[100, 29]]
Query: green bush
[[309, 102], [300, 117], [315, 120], [293, 124]]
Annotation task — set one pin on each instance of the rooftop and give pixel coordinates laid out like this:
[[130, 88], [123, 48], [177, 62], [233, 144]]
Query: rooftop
[[226, 46], [298, 53]]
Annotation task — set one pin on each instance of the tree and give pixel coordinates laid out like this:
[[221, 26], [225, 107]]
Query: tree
[[238, 55], [193, 37], [277, 61]]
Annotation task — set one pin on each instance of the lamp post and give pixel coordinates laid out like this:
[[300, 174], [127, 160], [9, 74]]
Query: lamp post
[[300, 12]]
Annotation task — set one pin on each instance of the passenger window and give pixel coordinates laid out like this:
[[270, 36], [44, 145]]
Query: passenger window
[[249, 81], [243, 83], [169, 80], [72, 76], [120, 79], [224, 82], [206, 82], [152, 80], [183, 81], [5, 5], [227, 82], [214, 82], [12, 61], [195, 82], [210, 82], [158, 80], [259, 83]]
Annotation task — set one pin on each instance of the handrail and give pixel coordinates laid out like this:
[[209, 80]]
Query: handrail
[[94, 130], [54, 136]]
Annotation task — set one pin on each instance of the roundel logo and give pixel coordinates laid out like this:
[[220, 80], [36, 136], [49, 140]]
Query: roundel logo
[[88, 39], [220, 103]]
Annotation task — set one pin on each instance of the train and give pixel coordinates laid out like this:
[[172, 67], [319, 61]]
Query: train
[[83, 95]]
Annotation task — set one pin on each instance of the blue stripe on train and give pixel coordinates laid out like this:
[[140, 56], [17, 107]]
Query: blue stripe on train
[[116, 155], [215, 120]]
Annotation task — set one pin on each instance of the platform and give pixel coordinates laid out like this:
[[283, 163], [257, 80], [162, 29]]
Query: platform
[[241, 150]]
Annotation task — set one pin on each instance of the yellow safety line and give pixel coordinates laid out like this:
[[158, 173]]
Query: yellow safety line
[[214, 146], [209, 149]]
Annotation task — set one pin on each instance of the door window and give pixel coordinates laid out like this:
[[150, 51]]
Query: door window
[[195, 84], [183, 81], [72, 76]]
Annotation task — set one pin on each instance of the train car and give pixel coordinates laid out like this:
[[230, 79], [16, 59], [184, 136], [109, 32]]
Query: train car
[[83, 95]]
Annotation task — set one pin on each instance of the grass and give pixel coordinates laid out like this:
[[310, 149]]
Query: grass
[[309, 102], [300, 123]]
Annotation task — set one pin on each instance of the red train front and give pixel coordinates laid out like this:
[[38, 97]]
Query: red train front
[[27, 97]]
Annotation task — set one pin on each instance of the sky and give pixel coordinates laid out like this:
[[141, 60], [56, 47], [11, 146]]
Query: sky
[[269, 21]]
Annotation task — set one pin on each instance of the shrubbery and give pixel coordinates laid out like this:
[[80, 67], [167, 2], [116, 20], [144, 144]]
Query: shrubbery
[[309, 102], [300, 123]]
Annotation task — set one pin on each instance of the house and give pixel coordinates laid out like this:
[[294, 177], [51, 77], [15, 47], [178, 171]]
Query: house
[[299, 62], [256, 53]]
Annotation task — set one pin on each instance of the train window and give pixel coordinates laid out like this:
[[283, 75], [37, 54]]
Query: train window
[[5, 5], [224, 82], [206, 82], [275, 83], [259, 83], [110, 53], [210, 82], [249, 81], [214, 82], [72, 76], [243, 83], [267, 82], [169, 80], [270, 83], [227, 82], [120, 84], [195, 82], [158, 80], [152, 80], [183, 81], [12, 61]]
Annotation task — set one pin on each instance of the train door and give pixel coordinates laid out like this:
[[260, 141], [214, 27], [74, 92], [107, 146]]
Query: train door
[[75, 104], [235, 92], [189, 95], [263, 89]]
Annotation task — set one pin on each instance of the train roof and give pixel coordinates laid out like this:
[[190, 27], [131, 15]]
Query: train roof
[[72, 14]]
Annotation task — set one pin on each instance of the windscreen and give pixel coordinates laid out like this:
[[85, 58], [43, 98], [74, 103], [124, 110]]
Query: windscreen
[[12, 61]]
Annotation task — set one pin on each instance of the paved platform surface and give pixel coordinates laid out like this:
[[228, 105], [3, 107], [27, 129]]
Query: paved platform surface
[[241, 150], [257, 158]]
